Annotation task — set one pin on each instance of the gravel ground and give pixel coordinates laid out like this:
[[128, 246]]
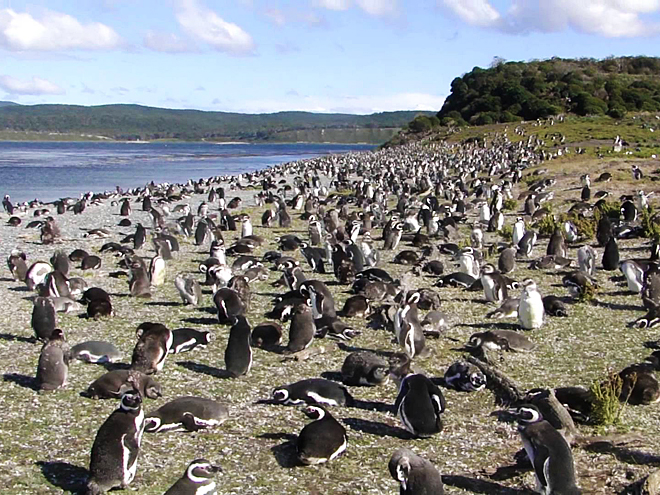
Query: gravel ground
[[46, 438]]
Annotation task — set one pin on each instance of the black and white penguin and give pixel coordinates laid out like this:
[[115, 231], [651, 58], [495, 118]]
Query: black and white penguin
[[238, 353], [356, 307], [186, 414], [313, 391], [634, 274], [554, 306], [189, 289], [530, 309], [393, 237], [153, 345], [140, 236], [434, 324], [96, 351], [36, 274], [611, 255], [500, 340], [302, 328], [493, 284], [157, 271], [587, 260], [113, 384], [629, 211], [526, 244], [408, 328], [364, 368], [139, 282], [17, 266], [557, 245], [457, 279], [187, 339], [419, 405], [465, 377], [267, 335], [113, 462], [548, 452], [90, 262], [197, 480], [321, 440], [53, 367], [229, 305], [416, 475], [125, 208], [44, 318]]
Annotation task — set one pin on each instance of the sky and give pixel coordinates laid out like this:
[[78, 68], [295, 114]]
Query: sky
[[262, 56]]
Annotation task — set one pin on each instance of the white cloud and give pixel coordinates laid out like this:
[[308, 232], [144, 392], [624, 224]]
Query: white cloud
[[276, 16], [342, 104], [608, 18], [167, 43], [34, 86], [205, 25], [53, 32], [379, 8], [333, 4]]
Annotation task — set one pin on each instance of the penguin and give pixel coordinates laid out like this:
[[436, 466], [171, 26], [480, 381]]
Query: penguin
[[313, 391], [464, 377], [508, 309], [530, 310], [629, 211], [113, 462], [302, 328], [603, 230], [554, 306], [53, 367], [36, 274], [65, 304], [125, 208], [202, 233], [577, 282], [419, 405], [553, 411], [548, 451], [416, 475], [90, 262], [498, 340], [556, 245], [186, 414], [139, 283], [267, 335], [356, 307], [364, 368], [468, 262], [587, 260], [407, 327], [458, 279], [321, 440], [96, 351], [639, 385], [518, 231], [611, 255], [153, 345], [189, 289], [229, 305], [585, 194], [238, 353], [157, 271], [506, 263], [187, 339], [197, 480], [113, 384], [140, 237], [526, 244], [17, 266], [394, 237], [60, 262], [433, 324], [634, 274], [493, 284], [44, 318]]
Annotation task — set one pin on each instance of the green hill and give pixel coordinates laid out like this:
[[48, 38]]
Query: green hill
[[134, 122], [514, 91]]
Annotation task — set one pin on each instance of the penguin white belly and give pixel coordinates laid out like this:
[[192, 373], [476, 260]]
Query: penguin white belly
[[337, 452], [209, 489], [530, 311], [404, 418], [489, 289], [319, 399], [128, 469]]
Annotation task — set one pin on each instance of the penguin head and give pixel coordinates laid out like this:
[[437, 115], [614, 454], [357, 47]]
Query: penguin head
[[152, 424], [280, 394], [200, 470], [526, 414], [475, 340], [487, 269], [57, 335], [315, 412], [529, 285], [131, 401]]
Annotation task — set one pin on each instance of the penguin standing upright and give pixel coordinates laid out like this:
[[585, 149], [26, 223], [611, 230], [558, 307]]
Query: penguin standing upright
[[44, 318], [302, 328], [189, 289], [419, 405], [197, 480], [407, 327], [416, 475], [587, 260], [152, 347], [548, 452], [321, 440], [526, 244], [494, 284], [518, 231], [116, 447], [530, 309], [556, 245], [125, 208], [611, 255], [140, 237], [238, 354], [53, 366], [507, 260]]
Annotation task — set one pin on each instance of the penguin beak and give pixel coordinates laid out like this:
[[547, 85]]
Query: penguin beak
[[215, 469]]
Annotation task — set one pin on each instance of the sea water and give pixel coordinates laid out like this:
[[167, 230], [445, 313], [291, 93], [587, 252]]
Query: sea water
[[53, 170]]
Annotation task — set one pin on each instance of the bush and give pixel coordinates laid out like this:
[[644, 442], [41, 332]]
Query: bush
[[606, 409], [650, 223], [507, 232], [510, 205]]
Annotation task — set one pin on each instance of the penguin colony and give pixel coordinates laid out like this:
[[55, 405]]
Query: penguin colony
[[332, 285]]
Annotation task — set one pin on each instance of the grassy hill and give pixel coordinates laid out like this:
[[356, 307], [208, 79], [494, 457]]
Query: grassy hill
[[133, 122]]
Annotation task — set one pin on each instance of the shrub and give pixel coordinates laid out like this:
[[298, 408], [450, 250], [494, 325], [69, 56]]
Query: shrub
[[510, 204], [650, 223], [607, 408]]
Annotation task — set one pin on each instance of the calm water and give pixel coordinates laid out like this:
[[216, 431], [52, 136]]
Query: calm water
[[49, 171]]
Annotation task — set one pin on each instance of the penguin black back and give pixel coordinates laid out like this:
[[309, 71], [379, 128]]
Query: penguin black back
[[238, 354]]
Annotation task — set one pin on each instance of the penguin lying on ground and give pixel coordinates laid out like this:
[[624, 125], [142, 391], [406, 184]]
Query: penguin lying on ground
[[186, 414], [95, 351], [114, 383], [313, 391]]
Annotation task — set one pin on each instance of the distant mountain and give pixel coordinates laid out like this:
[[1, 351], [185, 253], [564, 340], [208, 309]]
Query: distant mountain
[[8, 104], [514, 91], [134, 122]]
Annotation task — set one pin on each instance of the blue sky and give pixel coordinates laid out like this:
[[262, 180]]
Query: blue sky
[[354, 56]]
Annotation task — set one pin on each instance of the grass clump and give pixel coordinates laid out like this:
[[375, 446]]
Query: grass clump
[[510, 205], [507, 233], [650, 222], [607, 408], [586, 226], [547, 225]]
